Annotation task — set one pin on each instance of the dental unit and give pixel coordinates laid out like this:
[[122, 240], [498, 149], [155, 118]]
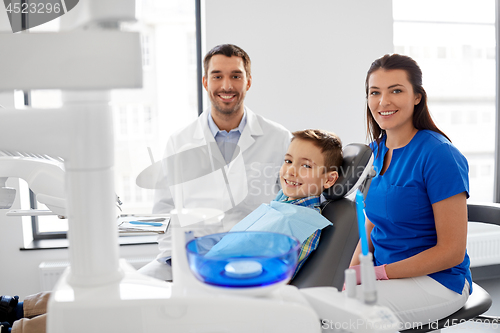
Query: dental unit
[[98, 286]]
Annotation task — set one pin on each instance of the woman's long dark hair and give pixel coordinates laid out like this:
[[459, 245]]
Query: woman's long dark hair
[[421, 117]]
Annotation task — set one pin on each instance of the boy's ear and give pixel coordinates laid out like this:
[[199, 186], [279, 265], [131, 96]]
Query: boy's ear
[[331, 178]]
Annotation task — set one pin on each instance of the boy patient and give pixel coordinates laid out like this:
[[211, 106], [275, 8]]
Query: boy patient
[[310, 166]]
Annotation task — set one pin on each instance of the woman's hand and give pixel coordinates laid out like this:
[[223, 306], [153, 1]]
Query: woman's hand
[[380, 273]]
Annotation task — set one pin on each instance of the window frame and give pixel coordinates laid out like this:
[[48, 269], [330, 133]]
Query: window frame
[[35, 225], [496, 172]]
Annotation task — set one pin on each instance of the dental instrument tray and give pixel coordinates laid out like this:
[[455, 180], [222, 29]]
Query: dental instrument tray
[[243, 259], [143, 224]]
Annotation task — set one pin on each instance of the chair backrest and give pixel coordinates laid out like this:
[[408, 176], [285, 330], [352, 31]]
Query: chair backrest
[[484, 213], [326, 265]]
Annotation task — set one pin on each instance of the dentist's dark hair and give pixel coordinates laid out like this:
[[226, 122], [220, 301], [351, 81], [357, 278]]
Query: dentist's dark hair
[[422, 119], [228, 50]]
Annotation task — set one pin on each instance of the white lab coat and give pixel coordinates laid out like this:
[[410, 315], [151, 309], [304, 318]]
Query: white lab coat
[[245, 183]]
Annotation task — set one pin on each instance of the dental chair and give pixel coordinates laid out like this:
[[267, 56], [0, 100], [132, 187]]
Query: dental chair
[[326, 265]]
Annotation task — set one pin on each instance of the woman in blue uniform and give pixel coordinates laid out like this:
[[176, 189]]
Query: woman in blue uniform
[[416, 205]]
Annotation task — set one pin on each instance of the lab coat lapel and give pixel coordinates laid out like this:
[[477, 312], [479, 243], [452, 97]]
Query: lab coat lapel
[[251, 130], [203, 133], [247, 138]]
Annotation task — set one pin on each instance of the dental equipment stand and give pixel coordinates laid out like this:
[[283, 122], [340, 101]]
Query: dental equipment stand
[[100, 289], [99, 292]]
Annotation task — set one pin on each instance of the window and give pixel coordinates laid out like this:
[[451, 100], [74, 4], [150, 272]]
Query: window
[[143, 118], [454, 44]]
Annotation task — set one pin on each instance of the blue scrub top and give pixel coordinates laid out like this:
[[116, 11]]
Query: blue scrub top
[[399, 203]]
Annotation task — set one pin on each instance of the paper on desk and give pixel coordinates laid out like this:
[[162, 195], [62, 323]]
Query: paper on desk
[[124, 225]]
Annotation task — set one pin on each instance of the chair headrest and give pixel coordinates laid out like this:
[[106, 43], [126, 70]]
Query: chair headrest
[[357, 164]]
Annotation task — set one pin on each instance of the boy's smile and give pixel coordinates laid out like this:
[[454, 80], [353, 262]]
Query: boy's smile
[[292, 183]]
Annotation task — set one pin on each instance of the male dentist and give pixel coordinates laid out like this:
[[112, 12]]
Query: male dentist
[[227, 160]]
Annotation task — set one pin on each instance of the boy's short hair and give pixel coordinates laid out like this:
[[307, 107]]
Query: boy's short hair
[[329, 143], [228, 50]]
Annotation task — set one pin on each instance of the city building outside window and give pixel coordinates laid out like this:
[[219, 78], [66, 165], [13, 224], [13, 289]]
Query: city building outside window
[[454, 43]]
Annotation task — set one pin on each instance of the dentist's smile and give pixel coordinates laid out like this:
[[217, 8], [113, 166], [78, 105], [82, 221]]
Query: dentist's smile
[[227, 97], [388, 113]]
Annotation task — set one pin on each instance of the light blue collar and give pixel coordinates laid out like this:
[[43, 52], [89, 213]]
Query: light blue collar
[[215, 129]]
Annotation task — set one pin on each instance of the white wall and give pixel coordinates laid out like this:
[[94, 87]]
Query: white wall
[[309, 58]]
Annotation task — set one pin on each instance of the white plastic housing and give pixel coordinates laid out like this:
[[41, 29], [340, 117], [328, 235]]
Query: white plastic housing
[[83, 136], [44, 177], [71, 60], [343, 314]]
